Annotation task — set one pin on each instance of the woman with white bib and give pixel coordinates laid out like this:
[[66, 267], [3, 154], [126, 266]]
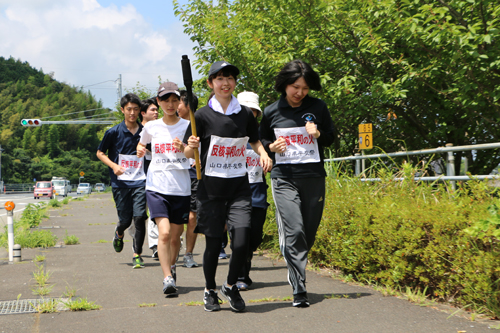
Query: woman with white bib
[[296, 129], [224, 128], [168, 186]]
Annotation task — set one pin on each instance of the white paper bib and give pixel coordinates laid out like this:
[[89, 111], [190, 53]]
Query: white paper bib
[[254, 169], [134, 167], [226, 157], [300, 146], [166, 156]]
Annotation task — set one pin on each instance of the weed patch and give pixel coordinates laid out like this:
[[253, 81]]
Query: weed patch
[[81, 304], [23, 229], [54, 203], [39, 258], [71, 239], [147, 305]]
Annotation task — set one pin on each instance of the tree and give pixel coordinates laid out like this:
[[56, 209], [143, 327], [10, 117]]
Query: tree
[[424, 72]]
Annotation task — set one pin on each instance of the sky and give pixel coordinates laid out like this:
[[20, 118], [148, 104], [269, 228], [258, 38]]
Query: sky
[[89, 43]]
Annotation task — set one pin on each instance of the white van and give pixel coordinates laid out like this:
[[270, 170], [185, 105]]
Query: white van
[[61, 186]]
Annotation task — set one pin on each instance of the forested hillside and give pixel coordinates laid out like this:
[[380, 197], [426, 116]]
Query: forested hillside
[[49, 150]]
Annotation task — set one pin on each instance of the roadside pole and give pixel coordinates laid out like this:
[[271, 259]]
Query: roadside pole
[[9, 206]]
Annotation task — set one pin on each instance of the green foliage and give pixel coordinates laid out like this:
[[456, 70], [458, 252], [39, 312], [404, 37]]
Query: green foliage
[[408, 236], [426, 72], [47, 306], [54, 203], [65, 201], [23, 233], [81, 304], [39, 258], [48, 150], [489, 227], [71, 239]]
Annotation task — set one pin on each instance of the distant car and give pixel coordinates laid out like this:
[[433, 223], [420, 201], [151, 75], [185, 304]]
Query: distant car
[[100, 187], [43, 189], [84, 188]]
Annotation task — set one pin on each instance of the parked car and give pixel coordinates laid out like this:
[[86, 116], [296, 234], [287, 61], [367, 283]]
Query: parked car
[[100, 187], [43, 189], [61, 186], [84, 188]]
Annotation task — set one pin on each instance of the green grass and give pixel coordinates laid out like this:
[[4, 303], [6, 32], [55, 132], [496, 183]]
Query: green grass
[[47, 306], [102, 241], [65, 201], [81, 304], [271, 299], [24, 233], [39, 258], [147, 305], [40, 276], [54, 203], [69, 293], [71, 239]]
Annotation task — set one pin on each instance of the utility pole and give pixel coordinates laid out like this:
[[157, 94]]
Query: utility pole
[[1, 181], [119, 88]]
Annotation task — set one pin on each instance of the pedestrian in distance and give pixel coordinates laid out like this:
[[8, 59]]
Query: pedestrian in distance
[[295, 129], [118, 151], [168, 186], [258, 185], [224, 127], [149, 112], [188, 261]]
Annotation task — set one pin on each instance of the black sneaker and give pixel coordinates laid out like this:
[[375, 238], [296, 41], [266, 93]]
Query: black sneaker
[[212, 301], [118, 243], [300, 300], [233, 296]]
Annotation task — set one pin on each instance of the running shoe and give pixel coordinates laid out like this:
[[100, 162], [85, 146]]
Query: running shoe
[[212, 301], [137, 262], [242, 286], [300, 300], [169, 286], [233, 296], [189, 261], [117, 243], [222, 254], [155, 252]]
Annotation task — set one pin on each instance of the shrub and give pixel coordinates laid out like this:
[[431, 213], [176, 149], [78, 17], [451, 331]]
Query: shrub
[[404, 234]]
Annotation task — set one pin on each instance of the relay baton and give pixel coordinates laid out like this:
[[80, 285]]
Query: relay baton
[[188, 83]]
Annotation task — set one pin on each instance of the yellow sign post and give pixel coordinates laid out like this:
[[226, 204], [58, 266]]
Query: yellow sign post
[[365, 136], [82, 174]]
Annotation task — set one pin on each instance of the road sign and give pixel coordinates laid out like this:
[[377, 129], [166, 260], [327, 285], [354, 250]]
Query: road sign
[[82, 173], [365, 136]]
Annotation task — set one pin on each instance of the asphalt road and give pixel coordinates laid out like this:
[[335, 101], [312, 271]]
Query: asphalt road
[[96, 272]]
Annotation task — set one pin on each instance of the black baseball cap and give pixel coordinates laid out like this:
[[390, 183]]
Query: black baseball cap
[[218, 65]]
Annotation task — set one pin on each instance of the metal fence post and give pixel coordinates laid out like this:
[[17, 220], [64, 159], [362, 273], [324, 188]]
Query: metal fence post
[[450, 166], [358, 165]]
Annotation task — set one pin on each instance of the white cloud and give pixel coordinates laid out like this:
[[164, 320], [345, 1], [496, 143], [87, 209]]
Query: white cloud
[[84, 43]]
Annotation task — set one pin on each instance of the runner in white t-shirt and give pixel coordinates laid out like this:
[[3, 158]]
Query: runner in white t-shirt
[[168, 186]]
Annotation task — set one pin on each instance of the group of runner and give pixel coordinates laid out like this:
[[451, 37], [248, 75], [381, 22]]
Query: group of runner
[[153, 162]]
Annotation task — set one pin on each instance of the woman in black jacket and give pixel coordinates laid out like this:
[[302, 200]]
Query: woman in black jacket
[[296, 128]]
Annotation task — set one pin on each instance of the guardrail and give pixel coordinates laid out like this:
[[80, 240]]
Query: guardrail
[[450, 166]]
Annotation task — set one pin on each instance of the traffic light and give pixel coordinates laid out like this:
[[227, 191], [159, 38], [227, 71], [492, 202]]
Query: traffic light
[[31, 122]]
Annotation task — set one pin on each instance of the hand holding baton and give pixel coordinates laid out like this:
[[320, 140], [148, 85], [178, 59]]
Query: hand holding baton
[[188, 83]]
